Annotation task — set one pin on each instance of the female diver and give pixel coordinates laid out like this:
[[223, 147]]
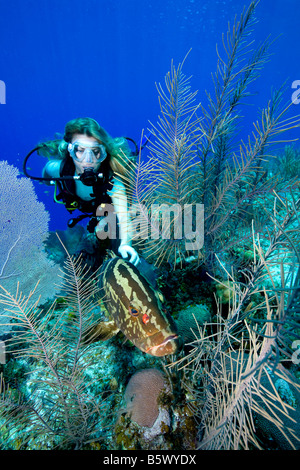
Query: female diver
[[85, 167]]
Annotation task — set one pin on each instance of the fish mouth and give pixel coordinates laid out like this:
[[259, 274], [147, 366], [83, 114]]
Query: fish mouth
[[161, 349]]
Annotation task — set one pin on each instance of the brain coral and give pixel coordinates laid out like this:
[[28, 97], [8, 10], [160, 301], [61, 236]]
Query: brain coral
[[141, 396]]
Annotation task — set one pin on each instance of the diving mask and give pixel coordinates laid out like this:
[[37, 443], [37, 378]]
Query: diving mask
[[89, 152]]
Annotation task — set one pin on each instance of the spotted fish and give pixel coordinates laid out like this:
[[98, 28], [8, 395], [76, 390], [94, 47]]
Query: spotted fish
[[135, 308]]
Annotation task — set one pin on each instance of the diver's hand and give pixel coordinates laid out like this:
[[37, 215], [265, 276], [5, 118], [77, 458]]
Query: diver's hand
[[127, 250]]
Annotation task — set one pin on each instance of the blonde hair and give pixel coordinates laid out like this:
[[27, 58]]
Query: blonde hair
[[121, 160]]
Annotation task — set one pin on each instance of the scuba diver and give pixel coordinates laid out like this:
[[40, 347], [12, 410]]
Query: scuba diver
[[83, 167]]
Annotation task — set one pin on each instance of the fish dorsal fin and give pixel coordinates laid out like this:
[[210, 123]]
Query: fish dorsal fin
[[110, 254]]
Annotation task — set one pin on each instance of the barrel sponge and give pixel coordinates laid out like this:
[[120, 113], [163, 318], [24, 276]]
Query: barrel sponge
[[141, 396]]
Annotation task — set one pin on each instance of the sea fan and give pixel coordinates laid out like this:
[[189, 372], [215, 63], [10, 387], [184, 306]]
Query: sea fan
[[57, 409]]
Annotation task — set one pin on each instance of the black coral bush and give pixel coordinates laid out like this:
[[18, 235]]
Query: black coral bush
[[236, 363], [57, 409], [194, 157]]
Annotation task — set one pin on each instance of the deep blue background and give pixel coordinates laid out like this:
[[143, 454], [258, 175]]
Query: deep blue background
[[62, 59]]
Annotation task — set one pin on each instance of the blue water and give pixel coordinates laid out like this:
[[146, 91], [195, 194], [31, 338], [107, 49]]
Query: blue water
[[63, 59]]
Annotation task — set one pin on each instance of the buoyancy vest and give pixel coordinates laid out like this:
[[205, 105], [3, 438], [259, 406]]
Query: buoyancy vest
[[99, 191]]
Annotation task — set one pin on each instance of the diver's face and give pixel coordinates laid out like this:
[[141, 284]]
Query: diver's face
[[86, 159]]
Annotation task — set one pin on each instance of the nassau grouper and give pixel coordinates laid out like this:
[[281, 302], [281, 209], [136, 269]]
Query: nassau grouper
[[136, 310]]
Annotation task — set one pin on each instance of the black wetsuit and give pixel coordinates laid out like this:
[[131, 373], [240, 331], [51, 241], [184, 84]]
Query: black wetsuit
[[99, 193]]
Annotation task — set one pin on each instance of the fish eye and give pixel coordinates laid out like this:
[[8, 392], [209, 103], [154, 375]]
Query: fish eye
[[133, 311]]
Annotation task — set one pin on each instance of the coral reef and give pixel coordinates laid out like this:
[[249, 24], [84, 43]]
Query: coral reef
[[251, 240], [235, 383], [56, 408], [195, 160], [231, 359]]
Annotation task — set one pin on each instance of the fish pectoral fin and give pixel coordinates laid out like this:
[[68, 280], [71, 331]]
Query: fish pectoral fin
[[101, 332]]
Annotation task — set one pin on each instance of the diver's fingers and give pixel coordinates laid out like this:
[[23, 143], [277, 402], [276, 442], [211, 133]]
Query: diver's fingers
[[126, 250], [135, 259], [123, 250]]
